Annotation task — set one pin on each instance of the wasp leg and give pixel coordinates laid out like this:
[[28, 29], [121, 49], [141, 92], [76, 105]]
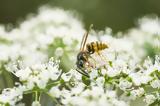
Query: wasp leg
[[94, 61], [83, 72], [102, 57]]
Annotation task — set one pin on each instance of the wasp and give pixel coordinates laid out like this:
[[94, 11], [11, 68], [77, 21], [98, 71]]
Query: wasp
[[86, 50]]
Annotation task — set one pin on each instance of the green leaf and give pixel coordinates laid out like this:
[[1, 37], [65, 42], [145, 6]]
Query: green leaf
[[86, 80]]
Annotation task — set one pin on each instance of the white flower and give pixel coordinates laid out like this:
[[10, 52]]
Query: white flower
[[59, 52], [23, 74], [30, 84], [148, 63], [111, 72], [77, 75], [103, 71], [38, 74], [66, 94], [93, 74], [55, 91], [77, 89], [137, 93], [100, 81], [77, 101], [67, 76], [145, 79], [124, 84], [149, 99], [41, 83], [20, 104], [155, 83], [97, 91], [36, 103], [12, 95], [150, 25], [151, 69], [5, 54], [110, 94], [54, 72], [157, 62], [126, 71], [140, 78]]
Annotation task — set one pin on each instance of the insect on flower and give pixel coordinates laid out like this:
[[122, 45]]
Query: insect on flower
[[85, 53]]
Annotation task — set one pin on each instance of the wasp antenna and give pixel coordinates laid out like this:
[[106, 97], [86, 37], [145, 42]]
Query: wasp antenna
[[85, 38]]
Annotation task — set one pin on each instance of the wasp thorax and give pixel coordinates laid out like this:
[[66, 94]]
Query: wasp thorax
[[82, 56]]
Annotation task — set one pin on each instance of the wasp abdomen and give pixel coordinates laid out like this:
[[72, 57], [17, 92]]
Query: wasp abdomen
[[95, 47]]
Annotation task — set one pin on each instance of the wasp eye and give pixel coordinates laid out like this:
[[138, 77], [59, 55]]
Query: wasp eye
[[81, 63]]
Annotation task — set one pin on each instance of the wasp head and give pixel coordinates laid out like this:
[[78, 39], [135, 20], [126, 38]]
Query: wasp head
[[82, 60]]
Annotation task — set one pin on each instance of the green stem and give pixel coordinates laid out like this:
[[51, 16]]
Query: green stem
[[40, 96], [36, 95]]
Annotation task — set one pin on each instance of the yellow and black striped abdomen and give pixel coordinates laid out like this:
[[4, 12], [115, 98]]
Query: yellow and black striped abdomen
[[95, 47]]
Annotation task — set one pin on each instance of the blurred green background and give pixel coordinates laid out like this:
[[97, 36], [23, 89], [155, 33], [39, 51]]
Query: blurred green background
[[117, 14]]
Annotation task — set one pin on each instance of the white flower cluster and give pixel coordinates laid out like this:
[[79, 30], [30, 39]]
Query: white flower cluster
[[101, 89], [32, 77], [34, 40], [149, 99], [146, 36], [120, 71], [12, 95], [78, 95], [38, 74]]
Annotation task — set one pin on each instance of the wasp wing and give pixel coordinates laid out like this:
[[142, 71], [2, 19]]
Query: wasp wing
[[84, 39]]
